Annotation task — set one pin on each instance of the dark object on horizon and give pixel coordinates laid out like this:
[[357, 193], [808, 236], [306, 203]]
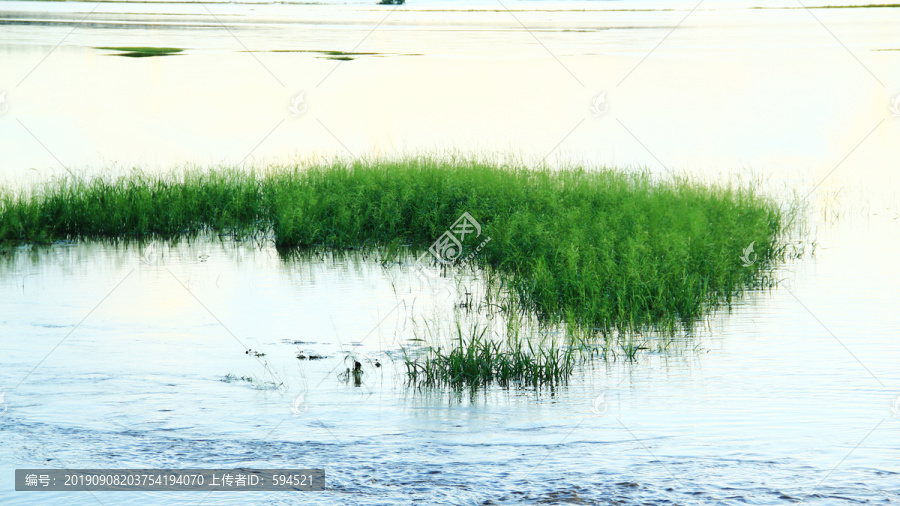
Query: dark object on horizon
[[392, 2]]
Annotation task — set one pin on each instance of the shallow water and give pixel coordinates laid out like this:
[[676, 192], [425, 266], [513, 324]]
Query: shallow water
[[789, 394], [757, 409]]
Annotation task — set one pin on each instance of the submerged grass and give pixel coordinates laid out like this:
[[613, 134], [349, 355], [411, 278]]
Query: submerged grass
[[601, 249]]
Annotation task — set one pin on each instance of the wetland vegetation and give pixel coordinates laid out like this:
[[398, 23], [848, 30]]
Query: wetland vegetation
[[142, 52], [604, 251]]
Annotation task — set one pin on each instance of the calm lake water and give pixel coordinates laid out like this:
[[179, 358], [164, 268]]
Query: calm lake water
[[120, 356]]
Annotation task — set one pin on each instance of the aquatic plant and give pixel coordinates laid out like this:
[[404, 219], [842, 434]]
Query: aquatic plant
[[601, 249], [475, 360], [143, 52], [355, 370]]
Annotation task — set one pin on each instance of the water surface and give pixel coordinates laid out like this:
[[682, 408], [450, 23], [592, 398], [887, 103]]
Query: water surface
[[111, 360]]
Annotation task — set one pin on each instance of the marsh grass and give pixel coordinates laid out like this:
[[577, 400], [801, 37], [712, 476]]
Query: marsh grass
[[599, 249], [142, 52], [496, 344], [602, 254], [475, 360], [357, 367]]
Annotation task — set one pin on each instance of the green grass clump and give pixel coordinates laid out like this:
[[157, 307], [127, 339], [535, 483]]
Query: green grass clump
[[598, 249], [134, 206], [143, 52], [476, 361]]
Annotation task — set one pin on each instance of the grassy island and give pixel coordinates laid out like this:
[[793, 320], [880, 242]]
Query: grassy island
[[599, 249]]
